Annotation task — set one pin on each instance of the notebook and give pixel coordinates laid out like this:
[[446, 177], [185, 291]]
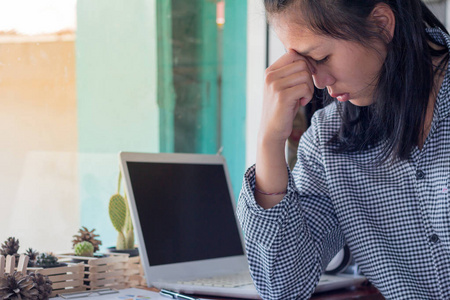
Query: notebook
[[183, 212]]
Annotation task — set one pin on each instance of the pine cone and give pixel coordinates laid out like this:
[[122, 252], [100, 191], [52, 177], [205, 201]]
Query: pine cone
[[89, 236], [43, 285], [16, 286], [10, 246], [32, 254]]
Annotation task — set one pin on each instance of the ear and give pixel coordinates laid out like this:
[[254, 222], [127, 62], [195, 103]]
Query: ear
[[383, 17]]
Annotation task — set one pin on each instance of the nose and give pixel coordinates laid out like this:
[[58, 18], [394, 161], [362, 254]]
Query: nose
[[322, 79]]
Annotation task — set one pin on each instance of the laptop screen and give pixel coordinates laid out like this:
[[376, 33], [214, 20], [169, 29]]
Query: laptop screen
[[185, 211]]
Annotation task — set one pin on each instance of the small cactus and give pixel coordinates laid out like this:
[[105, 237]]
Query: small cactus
[[84, 249], [119, 214], [47, 260], [85, 234]]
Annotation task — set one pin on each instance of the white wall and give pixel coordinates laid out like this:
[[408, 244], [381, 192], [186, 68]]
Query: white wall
[[256, 65]]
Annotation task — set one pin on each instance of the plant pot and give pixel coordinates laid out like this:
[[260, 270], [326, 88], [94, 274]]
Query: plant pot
[[84, 259], [55, 266], [131, 252]]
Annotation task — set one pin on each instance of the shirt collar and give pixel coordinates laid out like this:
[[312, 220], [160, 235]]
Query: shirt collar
[[442, 106]]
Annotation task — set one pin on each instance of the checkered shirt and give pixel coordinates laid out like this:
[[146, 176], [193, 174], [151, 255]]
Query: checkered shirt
[[394, 217]]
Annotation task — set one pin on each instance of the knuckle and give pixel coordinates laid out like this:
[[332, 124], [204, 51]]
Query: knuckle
[[281, 95], [302, 63], [269, 77], [305, 89], [276, 87]]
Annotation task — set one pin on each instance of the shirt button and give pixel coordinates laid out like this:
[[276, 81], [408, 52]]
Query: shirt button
[[434, 238], [420, 174]]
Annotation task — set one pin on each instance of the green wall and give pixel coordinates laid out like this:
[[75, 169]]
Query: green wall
[[116, 96], [234, 89], [122, 108]]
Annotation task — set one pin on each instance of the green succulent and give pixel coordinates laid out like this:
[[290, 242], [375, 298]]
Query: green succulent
[[47, 260], [84, 249], [119, 214]]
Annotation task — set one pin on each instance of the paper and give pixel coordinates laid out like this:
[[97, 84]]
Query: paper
[[125, 294], [138, 294]]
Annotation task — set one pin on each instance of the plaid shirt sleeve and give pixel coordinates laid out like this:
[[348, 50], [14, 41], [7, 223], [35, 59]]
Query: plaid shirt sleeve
[[289, 245], [395, 216]]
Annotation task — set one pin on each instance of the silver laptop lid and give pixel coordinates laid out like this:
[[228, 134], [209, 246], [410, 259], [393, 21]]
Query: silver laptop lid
[[183, 212]]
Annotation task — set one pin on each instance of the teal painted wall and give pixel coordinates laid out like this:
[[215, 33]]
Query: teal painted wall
[[117, 75], [116, 98], [234, 89]]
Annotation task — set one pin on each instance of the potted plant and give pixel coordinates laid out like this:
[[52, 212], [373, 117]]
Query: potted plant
[[83, 243], [119, 214], [48, 269], [48, 260], [87, 235]]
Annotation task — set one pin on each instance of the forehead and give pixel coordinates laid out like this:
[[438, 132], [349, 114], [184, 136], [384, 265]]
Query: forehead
[[297, 36]]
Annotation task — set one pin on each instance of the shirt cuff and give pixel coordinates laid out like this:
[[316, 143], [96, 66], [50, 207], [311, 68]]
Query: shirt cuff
[[259, 224]]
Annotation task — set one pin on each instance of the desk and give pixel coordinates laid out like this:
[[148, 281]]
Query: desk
[[360, 293]]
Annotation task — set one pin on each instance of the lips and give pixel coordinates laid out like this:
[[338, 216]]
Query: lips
[[341, 97]]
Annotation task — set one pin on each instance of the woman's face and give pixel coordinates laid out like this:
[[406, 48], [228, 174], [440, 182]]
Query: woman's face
[[347, 69]]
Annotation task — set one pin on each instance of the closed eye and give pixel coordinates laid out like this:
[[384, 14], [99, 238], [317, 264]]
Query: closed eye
[[324, 60]]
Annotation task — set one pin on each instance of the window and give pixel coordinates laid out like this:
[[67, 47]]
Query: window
[[83, 80], [39, 184]]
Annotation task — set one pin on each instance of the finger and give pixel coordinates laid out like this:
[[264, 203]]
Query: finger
[[297, 66], [302, 91], [293, 80], [289, 57]]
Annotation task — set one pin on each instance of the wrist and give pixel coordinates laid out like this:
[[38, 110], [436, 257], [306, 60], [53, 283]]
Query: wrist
[[267, 141]]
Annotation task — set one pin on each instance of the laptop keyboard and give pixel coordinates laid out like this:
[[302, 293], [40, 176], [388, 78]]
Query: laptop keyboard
[[232, 280]]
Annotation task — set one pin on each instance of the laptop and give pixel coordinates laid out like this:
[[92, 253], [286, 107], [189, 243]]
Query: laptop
[[183, 212]]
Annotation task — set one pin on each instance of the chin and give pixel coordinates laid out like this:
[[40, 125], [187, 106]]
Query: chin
[[361, 102]]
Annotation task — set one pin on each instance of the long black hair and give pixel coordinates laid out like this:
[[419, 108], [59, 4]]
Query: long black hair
[[406, 78]]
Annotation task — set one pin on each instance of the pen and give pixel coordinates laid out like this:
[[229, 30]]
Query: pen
[[175, 295]]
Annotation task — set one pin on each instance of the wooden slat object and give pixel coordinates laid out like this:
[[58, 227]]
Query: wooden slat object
[[103, 272], [95, 275], [61, 286], [135, 273], [64, 279], [63, 269], [8, 264], [23, 263], [2, 265]]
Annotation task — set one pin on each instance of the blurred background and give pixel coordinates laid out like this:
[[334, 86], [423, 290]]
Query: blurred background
[[82, 80]]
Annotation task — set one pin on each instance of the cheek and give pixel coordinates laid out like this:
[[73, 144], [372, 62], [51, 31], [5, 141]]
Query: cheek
[[370, 63], [361, 69]]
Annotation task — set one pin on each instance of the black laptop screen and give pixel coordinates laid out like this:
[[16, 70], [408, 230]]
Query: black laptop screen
[[185, 211]]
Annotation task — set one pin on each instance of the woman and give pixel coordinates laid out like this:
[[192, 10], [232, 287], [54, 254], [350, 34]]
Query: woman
[[374, 166]]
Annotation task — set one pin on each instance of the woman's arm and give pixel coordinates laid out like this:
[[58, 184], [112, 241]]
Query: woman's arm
[[290, 244], [288, 84]]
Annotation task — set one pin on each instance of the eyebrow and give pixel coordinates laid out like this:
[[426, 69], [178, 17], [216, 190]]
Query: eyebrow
[[306, 52]]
